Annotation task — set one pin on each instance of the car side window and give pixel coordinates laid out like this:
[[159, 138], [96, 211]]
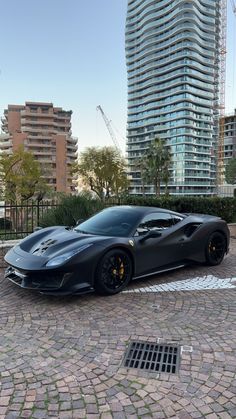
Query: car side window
[[154, 221]]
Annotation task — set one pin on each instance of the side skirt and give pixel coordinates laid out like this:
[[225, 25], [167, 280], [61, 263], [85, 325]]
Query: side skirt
[[160, 271]]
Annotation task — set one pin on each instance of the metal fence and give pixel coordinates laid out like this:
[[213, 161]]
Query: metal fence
[[19, 220]]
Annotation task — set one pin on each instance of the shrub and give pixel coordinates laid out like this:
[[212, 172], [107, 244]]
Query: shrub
[[5, 224], [70, 209], [221, 207]]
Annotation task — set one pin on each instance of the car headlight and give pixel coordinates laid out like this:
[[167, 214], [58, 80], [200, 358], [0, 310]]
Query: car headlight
[[59, 260]]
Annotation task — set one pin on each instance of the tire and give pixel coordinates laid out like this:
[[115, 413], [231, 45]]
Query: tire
[[215, 248], [113, 273]]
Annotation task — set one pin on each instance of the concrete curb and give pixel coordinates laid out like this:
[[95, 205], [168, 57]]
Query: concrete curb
[[232, 229], [8, 243]]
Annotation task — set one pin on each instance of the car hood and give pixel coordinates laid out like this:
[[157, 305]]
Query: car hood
[[50, 242]]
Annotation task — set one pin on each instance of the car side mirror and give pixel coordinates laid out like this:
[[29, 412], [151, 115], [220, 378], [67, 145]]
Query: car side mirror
[[79, 221], [151, 234]]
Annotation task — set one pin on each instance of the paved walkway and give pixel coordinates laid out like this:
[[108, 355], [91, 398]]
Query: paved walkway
[[62, 357]]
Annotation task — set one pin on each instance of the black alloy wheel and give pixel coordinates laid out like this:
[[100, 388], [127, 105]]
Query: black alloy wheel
[[215, 249], [113, 273]]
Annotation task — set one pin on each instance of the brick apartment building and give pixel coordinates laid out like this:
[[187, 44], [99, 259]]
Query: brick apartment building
[[45, 131]]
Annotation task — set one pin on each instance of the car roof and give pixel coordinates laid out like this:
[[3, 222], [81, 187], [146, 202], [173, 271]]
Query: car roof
[[146, 210]]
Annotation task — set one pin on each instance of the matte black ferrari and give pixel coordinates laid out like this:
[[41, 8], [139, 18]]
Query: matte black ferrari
[[114, 246]]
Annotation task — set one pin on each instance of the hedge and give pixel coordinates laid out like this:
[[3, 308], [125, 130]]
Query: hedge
[[73, 208], [221, 207]]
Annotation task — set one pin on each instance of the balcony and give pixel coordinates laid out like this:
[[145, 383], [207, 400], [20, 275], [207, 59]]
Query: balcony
[[72, 142], [5, 145], [39, 138], [62, 124], [37, 143], [65, 116], [71, 154], [71, 147], [45, 159], [37, 113], [42, 131], [39, 121]]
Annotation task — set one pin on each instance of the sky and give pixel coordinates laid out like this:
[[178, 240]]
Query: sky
[[72, 53]]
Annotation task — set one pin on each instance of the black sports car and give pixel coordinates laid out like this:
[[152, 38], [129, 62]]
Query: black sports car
[[115, 245]]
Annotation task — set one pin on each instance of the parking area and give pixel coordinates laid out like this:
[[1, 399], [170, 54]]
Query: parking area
[[63, 357]]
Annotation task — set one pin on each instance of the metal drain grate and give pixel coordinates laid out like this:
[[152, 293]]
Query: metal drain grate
[[152, 357]]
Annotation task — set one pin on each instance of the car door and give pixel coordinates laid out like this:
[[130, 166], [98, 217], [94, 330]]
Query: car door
[[156, 252]]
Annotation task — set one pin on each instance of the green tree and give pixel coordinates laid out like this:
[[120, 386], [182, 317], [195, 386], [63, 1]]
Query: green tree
[[21, 176], [230, 171], [103, 169], [141, 166], [166, 173], [155, 165]]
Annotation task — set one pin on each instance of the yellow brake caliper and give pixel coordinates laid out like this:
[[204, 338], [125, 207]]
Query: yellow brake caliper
[[120, 272], [121, 269]]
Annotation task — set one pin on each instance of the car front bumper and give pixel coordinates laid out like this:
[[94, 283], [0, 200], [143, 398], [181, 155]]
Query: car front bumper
[[47, 282]]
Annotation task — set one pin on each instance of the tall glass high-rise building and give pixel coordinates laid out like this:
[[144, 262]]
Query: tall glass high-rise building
[[172, 55]]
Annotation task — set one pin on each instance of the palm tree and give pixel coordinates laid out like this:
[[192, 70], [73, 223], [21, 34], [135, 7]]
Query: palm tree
[[166, 169], [156, 164], [141, 166]]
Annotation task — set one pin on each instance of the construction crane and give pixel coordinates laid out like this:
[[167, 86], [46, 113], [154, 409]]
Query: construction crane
[[220, 168], [220, 176], [233, 6], [109, 127]]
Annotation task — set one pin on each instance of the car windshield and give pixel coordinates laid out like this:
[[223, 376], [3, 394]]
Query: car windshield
[[117, 222]]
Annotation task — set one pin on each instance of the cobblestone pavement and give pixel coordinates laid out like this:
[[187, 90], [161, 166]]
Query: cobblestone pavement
[[62, 357]]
